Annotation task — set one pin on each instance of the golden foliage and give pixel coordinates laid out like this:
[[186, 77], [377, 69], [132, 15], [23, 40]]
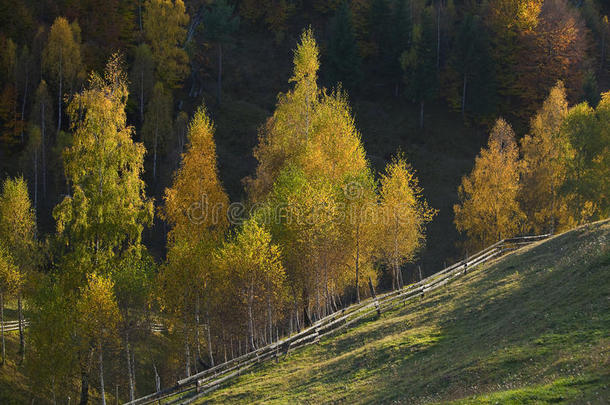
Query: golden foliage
[[164, 27], [403, 215], [61, 57], [108, 209], [489, 210], [18, 223], [98, 313], [196, 204], [544, 151], [310, 129]]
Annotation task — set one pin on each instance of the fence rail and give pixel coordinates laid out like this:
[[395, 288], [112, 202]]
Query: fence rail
[[198, 385], [10, 326]]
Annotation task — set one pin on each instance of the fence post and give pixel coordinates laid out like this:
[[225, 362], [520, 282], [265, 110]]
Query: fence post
[[374, 297]]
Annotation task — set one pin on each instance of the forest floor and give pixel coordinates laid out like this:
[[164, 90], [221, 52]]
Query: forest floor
[[533, 327]]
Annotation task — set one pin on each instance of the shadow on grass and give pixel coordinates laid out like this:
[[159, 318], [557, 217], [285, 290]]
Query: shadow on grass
[[536, 316], [533, 316]]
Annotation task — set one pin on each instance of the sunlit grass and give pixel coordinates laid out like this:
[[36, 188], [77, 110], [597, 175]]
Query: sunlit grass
[[531, 328]]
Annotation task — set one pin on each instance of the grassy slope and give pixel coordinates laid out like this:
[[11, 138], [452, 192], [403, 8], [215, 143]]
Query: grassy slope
[[532, 328], [13, 384]]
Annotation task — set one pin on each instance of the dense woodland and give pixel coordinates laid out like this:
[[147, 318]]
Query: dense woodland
[[229, 169]]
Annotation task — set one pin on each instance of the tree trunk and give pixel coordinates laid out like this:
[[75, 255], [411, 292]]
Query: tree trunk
[[43, 133], [400, 280], [21, 331], [2, 327], [270, 319], [157, 378], [53, 392], [421, 114], [155, 150], [464, 97], [224, 344], [35, 179], [553, 216], [219, 72], [317, 308], [133, 368], [187, 352], [232, 351], [251, 320], [25, 96], [197, 338], [357, 264], [140, 14], [129, 368], [326, 299], [209, 340], [59, 93], [142, 98], [101, 361], [438, 37], [84, 392], [603, 55]]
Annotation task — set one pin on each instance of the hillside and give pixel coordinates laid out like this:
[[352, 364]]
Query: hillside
[[532, 327]]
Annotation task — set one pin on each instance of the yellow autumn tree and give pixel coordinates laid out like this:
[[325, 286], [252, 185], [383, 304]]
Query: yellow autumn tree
[[307, 152], [61, 59], [403, 215], [164, 24], [253, 264], [544, 151], [100, 223], [194, 204], [586, 186], [359, 203], [10, 283], [157, 128], [18, 235], [98, 318], [309, 129], [195, 208], [489, 209]]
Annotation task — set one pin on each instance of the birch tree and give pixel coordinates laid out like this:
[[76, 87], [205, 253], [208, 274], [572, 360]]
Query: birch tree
[[142, 77], [18, 235], [98, 317], [42, 117], [489, 209], [219, 24], [402, 218], [102, 220], [195, 208], [10, 283], [164, 23], [61, 60], [253, 262], [157, 126], [544, 151]]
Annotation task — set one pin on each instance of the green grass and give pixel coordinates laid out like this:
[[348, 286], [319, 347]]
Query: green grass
[[534, 327], [13, 384]]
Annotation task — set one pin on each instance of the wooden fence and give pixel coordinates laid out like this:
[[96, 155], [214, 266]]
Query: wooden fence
[[10, 326], [198, 385]]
